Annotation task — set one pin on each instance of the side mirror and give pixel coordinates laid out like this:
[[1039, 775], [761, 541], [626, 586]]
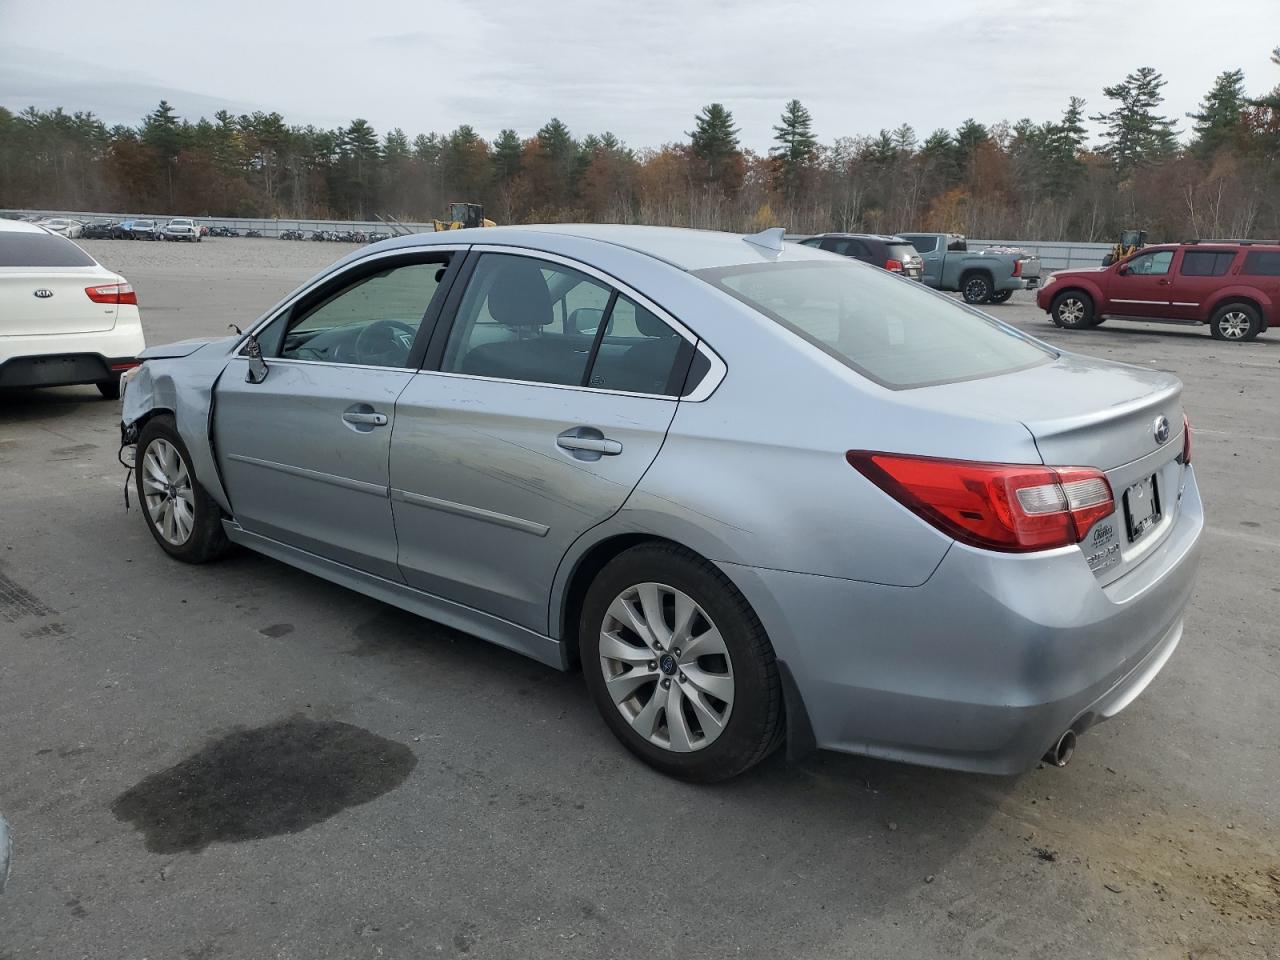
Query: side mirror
[[1122, 269], [258, 368]]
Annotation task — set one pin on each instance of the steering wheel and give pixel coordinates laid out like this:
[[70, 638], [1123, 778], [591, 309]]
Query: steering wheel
[[385, 343]]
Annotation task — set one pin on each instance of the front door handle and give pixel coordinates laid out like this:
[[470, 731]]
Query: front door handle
[[602, 445], [366, 419]]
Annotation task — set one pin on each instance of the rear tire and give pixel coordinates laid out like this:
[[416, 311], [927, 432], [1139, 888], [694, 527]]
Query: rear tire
[[1001, 296], [723, 684], [1235, 322], [1073, 310], [110, 389], [183, 518], [976, 288]]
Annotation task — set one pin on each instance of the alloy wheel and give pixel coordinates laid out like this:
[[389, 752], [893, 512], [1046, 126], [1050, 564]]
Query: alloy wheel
[[1234, 325], [666, 667], [166, 486], [1071, 312]]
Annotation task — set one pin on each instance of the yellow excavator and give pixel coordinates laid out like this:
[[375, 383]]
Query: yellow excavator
[[464, 215], [1131, 241]]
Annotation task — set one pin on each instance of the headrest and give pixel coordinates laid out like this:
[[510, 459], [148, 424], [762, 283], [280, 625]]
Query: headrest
[[518, 296], [650, 325]]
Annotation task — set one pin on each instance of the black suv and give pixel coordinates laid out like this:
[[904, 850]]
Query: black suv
[[889, 253]]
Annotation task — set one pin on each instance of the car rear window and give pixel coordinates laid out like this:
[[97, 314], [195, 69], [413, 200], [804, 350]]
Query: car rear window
[[901, 251], [40, 250], [1262, 263], [1207, 263], [899, 335]]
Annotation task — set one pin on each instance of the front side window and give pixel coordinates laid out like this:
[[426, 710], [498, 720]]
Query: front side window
[[1151, 264], [372, 321], [1206, 263], [899, 335]]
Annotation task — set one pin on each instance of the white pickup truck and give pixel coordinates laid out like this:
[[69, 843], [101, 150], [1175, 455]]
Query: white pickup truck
[[181, 228]]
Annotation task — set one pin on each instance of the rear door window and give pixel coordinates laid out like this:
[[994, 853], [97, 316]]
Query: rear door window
[[898, 335], [1262, 263], [40, 250], [1206, 263], [638, 352]]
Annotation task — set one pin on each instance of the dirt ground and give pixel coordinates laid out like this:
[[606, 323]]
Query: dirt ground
[[241, 760]]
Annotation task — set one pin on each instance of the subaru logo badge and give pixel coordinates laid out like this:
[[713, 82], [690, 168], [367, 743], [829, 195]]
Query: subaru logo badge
[[43, 293], [1162, 429]]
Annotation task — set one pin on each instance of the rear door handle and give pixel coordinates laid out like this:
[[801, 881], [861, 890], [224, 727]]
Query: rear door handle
[[369, 419], [602, 445]]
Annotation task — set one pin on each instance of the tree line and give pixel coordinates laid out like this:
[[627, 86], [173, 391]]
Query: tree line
[[1217, 177]]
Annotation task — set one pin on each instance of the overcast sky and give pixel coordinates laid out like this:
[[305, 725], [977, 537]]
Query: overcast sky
[[640, 68]]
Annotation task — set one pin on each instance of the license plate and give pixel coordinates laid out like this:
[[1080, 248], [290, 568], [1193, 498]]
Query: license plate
[[1141, 507]]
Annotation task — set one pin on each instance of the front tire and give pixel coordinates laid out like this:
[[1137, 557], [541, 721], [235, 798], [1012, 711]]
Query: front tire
[[679, 666], [1236, 322], [1073, 310], [183, 518], [976, 288]]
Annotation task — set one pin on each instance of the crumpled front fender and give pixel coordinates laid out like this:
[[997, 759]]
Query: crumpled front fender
[[182, 386]]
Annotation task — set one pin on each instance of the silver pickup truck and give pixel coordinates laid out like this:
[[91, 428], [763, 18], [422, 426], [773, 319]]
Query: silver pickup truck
[[985, 276]]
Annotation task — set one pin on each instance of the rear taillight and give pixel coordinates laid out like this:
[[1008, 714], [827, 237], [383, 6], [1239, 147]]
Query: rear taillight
[[1186, 439], [112, 293], [893, 265], [1017, 268], [1010, 507]]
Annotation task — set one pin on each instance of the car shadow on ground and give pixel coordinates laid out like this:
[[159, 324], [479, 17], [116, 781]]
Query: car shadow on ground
[[30, 405]]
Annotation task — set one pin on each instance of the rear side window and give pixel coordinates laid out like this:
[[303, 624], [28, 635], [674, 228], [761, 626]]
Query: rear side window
[[924, 244], [1262, 263], [40, 250], [899, 335], [638, 352], [1206, 263]]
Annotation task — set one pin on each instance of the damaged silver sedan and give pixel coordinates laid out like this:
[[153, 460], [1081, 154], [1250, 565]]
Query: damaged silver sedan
[[761, 493]]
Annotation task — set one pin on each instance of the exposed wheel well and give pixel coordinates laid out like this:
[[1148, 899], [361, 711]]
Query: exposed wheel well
[[985, 271], [590, 564], [135, 429], [1236, 298]]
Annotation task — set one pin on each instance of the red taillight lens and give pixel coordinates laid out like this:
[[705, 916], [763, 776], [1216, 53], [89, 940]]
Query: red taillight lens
[[893, 265], [1010, 507], [1017, 268], [1186, 439], [112, 293]]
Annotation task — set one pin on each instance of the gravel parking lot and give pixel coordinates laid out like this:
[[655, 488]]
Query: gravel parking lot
[[464, 801]]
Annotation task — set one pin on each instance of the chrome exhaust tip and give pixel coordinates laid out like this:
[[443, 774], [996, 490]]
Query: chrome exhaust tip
[[1059, 754]]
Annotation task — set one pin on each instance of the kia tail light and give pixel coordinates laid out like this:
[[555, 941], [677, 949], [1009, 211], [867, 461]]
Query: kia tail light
[[112, 293]]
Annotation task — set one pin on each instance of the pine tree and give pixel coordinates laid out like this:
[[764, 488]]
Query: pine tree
[[506, 155], [714, 142], [1135, 134], [797, 147], [904, 138], [1221, 113]]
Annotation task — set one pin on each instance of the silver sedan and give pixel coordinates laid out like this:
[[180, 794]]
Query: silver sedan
[[759, 492]]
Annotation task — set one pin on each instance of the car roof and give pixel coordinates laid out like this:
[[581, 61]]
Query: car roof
[[20, 226], [680, 247]]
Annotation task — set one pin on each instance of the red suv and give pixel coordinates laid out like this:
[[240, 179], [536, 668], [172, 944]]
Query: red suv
[[1233, 286]]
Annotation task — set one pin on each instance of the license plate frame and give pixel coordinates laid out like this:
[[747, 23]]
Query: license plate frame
[[1142, 507]]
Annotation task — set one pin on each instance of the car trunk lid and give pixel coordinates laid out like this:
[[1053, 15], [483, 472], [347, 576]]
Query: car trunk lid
[[52, 300], [1094, 413]]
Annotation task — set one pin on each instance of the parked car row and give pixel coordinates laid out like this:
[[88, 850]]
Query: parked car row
[[940, 260]]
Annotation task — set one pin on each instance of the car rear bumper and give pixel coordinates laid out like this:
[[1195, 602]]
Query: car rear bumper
[[986, 664], [67, 359]]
